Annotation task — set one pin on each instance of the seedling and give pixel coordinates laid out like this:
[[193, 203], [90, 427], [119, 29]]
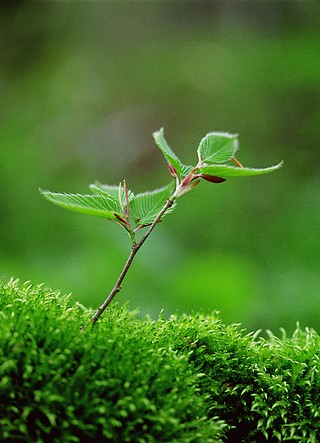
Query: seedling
[[216, 162]]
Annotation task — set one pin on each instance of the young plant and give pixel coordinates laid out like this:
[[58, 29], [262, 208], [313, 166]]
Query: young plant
[[216, 162]]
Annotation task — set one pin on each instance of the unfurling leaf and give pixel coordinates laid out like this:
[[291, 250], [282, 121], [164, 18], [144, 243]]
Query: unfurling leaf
[[145, 207], [170, 156], [186, 170], [97, 205], [234, 171], [217, 147]]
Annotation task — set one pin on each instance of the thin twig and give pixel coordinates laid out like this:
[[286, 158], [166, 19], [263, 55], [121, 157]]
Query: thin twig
[[135, 248]]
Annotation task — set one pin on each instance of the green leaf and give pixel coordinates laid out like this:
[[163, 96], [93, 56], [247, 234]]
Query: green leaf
[[170, 156], [146, 206], [234, 171], [97, 205], [217, 147], [111, 191]]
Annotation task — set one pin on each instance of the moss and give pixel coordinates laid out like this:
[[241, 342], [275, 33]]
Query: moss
[[130, 379], [115, 383]]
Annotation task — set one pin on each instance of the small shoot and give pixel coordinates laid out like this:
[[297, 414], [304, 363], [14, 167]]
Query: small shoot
[[216, 163]]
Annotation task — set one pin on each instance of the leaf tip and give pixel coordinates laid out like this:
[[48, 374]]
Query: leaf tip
[[172, 170], [158, 133], [279, 165], [44, 192]]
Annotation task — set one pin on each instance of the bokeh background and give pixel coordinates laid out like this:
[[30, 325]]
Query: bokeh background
[[84, 84]]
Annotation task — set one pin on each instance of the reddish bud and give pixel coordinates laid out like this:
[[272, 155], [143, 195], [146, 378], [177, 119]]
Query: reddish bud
[[212, 178], [172, 170]]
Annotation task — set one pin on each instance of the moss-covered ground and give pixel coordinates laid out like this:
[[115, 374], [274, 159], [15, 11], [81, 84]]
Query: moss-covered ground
[[185, 379]]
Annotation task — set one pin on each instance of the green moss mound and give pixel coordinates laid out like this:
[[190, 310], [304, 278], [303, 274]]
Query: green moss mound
[[184, 380], [115, 383]]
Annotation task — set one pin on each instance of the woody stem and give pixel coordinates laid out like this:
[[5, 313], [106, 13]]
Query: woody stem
[[135, 248]]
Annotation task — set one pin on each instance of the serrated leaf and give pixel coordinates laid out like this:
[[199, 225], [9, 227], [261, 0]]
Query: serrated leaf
[[111, 191], [146, 206], [217, 147], [97, 205], [170, 156], [234, 171]]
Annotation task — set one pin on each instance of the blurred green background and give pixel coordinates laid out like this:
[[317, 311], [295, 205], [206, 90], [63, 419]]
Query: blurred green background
[[84, 85]]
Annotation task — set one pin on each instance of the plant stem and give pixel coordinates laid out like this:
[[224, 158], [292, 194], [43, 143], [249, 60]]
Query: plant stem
[[135, 248]]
